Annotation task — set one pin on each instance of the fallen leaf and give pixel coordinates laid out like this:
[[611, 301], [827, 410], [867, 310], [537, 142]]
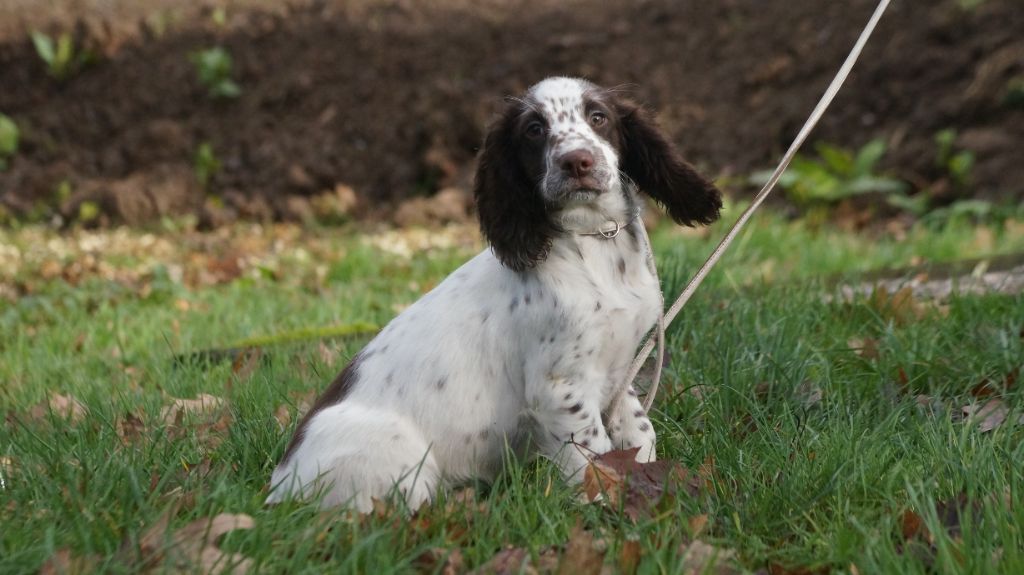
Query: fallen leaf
[[283, 415], [328, 354], [899, 307], [912, 525], [204, 403], [629, 556], [508, 561], [920, 541], [866, 347], [697, 524], [583, 554], [987, 387], [195, 547], [983, 388], [780, 569], [65, 407], [62, 562], [246, 362], [990, 415], [699, 558], [130, 428], [617, 479], [902, 380], [440, 560]]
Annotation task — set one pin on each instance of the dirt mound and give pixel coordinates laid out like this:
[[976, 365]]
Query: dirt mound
[[391, 98]]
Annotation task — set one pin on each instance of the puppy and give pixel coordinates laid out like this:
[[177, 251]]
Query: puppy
[[526, 346]]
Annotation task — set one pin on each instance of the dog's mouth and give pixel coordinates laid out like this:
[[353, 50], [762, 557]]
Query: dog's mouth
[[578, 190]]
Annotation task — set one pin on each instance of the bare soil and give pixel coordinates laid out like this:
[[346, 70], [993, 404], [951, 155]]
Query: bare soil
[[392, 98]]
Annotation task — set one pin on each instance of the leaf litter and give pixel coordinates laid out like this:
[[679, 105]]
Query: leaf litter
[[61, 406], [619, 481], [194, 547]]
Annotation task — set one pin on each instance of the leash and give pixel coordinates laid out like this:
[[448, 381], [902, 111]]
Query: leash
[[812, 121]]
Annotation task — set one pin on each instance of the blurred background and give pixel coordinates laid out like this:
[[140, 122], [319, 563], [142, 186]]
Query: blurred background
[[129, 111]]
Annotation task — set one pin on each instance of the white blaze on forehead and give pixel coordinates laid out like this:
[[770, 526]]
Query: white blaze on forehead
[[560, 99]]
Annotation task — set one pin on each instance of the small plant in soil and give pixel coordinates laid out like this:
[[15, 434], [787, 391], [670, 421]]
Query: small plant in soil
[[835, 175], [9, 136], [60, 55], [1015, 92], [956, 164], [213, 68], [205, 163]]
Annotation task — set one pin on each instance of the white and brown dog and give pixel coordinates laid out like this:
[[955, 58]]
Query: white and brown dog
[[526, 345]]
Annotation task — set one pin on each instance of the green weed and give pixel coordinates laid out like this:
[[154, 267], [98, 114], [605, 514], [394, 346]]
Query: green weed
[[61, 57], [205, 164], [835, 175], [213, 68], [9, 140]]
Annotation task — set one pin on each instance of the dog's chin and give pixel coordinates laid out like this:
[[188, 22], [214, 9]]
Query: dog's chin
[[575, 194]]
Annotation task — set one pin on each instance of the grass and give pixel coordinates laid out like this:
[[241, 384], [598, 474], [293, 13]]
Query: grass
[[795, 483]]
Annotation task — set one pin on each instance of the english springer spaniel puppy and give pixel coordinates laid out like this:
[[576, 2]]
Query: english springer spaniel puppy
[[526, 346]]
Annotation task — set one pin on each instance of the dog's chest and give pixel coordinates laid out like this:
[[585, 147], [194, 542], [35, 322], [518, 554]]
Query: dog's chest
[[613, 299]]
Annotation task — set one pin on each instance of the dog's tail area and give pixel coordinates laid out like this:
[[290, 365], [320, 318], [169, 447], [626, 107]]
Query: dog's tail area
[[351, 454]]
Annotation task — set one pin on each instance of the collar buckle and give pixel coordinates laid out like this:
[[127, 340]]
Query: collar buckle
[[609, 234]]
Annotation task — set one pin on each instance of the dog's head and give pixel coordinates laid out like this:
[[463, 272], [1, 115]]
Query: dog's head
[[566, 156]]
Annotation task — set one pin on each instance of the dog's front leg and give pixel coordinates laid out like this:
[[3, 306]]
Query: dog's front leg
[[629, 425], [569, 428]]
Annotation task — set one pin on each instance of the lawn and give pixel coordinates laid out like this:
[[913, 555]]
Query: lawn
[[829, 435]]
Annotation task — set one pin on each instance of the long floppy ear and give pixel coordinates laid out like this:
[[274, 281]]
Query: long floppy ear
[[658, 169], [512, 213]]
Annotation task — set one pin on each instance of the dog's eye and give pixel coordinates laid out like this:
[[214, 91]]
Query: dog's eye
[[534, 130], [598, 119]]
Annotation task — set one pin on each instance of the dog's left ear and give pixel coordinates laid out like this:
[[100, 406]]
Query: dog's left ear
[[660, 172]]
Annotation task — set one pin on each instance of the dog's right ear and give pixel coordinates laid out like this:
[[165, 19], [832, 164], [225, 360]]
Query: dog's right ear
[[512, 213]]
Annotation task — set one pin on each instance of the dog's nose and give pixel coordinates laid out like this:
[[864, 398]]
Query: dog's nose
[[577, 162]]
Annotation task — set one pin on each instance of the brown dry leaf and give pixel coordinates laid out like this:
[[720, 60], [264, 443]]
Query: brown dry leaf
[[617, 479], [246, 362], [988, 387], [440, 560], [203, 404], [283, 415], [866, 347], [130, 428], [984, 388], [629, 556], [780, 569], [903, 380], [600, 480], [195, 546], [699, 558], [508, 561], [223, 270], [900, 307], [328, 354], [583, 555], [697, 524], [912, 525], [62, 406], [990, 415], [62, 562], [920, 541]]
